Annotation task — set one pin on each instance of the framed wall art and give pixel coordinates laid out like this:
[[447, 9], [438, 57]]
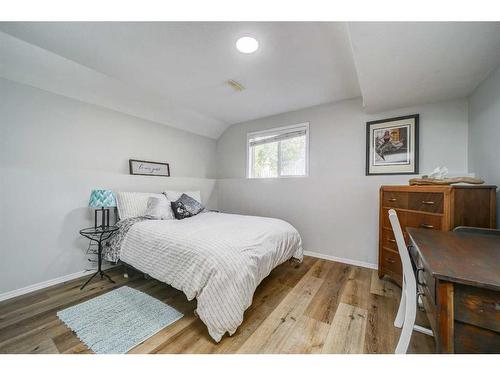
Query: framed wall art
[[392, 146], [149, 168]]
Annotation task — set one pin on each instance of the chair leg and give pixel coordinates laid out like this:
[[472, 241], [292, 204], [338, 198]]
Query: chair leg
[[408, 325], [125, 272], [425, 331], [400, 317]]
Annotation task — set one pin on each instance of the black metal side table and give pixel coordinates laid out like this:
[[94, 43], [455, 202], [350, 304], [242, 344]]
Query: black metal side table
[[99, 234]]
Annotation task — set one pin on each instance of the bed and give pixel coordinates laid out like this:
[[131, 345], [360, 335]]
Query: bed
[[217, 258]]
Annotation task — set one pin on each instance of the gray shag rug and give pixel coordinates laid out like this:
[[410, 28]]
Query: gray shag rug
[[117, 321]]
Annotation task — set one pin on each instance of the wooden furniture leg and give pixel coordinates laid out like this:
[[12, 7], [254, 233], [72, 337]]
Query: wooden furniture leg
[[445, 317]]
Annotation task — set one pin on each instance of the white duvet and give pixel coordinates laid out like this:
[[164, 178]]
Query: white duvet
[[219, 259]]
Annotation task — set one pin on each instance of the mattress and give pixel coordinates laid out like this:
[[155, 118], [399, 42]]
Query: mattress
[[217, 258]]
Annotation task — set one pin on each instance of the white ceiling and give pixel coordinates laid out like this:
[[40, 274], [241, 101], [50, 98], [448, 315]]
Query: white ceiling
[[406, 63], [187, 64], [175, 73]]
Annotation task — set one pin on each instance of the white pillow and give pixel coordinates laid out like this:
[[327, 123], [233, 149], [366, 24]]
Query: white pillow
[[159, 208], [132, 204], [173, 195]]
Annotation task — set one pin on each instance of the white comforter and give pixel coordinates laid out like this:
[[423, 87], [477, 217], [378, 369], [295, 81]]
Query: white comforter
[[219, 259]]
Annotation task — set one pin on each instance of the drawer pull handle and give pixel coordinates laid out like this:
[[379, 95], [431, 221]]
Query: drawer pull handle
[[428, 202], [391, 240], [418, 277], [392, 199], [420, 303], [390, 260], [428, 226]]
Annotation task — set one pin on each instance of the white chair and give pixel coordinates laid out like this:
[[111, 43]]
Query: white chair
[[407, 311]]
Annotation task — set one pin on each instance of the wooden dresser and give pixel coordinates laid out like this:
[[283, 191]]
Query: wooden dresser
[[432, 207]]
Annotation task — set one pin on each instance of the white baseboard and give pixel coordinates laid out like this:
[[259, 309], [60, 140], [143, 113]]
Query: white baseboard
[[76, 275], [342, 260], [45, 284]]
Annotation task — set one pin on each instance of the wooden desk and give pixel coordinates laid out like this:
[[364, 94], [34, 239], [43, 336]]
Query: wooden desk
[[458, 275]]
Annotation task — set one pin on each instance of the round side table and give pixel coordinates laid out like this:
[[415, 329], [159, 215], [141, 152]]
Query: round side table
[[99, 234]]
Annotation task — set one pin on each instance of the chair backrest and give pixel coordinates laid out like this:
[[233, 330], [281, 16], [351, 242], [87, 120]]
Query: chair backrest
[[409, 286], [400, 241]]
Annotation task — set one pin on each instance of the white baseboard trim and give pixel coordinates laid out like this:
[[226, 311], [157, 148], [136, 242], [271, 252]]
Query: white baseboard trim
[[58, 280], [45, 284], [342, 260]]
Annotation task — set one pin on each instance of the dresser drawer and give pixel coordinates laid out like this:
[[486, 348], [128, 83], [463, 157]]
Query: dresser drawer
[[427, 202], [389, 240], [418, 220], [413, 220], [401, 217], [391, 262], [396, 199]]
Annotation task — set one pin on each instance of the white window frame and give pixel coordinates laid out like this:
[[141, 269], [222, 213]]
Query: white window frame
[[250, 135]]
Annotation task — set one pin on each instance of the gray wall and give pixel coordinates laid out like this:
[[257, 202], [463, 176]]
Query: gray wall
[[53, 151], [336, 208], [484, 132]]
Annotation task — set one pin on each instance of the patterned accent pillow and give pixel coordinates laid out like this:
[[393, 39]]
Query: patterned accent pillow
[[186, 206], [173, 195]]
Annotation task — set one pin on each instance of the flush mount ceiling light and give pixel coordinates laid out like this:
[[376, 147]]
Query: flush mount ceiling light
[[247, 44]]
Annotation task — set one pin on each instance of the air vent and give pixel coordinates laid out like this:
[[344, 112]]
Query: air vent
[[236, 85]]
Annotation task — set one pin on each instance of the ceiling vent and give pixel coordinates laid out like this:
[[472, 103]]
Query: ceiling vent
[[235, 85]]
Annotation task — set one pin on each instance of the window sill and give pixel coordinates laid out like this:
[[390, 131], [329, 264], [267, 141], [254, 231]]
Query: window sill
[[275, 178]]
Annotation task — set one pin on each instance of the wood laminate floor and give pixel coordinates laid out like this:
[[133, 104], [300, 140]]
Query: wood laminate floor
[[318, 306]]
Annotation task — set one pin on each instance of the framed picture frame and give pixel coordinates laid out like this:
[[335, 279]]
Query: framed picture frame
[[148, 168], [392, 146]]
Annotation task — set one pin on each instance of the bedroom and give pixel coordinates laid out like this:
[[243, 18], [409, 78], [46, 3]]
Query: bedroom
[[226, 187]]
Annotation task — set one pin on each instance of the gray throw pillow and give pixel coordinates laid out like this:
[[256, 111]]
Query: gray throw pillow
[[186, 206]]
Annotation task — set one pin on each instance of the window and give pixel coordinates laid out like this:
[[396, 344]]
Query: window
[[281, 152]]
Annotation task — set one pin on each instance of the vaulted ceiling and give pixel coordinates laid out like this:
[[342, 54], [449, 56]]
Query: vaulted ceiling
[[175, 73]]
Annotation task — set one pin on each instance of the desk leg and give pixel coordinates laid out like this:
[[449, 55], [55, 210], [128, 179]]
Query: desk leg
[[445, 317]]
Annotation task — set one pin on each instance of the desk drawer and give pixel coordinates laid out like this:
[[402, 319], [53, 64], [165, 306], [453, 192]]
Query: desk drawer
[[427, 202], [480, 307], [396, 199], [429, 307], [425, 281], [472, 339]]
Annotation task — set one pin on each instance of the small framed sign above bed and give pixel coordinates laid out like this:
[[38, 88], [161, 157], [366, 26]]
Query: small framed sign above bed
[[149, 168]]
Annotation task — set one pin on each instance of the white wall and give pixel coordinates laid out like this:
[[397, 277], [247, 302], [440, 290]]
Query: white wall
[[336, 208], [53, 151], [484, 132]]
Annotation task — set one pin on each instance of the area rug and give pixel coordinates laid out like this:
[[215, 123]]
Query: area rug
[[117, 321]]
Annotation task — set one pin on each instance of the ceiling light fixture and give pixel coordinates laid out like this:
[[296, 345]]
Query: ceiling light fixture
[[247, 44]]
